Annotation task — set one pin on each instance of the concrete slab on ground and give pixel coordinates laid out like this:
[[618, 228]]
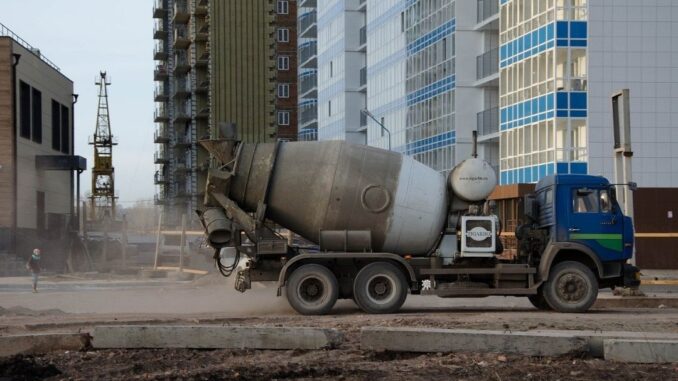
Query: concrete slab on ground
[[596, 339], [654, 301], [641, 351], [464, 340], [42, 343], [215, 337]]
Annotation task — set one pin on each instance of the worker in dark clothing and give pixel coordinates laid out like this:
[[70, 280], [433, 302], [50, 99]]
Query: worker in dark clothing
[[33, 265]]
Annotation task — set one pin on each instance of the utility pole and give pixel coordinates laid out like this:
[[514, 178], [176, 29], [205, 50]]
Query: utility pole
[[621, 122], [383, 128], [103, 185]]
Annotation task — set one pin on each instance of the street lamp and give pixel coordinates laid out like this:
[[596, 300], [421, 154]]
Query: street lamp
[[383, 128]]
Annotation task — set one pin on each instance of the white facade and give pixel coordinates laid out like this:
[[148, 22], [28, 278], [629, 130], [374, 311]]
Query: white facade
[[561, 60], [340, 60]]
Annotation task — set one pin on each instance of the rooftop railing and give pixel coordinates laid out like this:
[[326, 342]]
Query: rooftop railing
[[5, 31]]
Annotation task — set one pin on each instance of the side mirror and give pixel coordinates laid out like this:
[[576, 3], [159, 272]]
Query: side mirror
[[531, 207]]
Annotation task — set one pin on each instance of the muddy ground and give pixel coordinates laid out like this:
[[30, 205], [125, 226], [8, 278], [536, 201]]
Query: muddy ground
[[79, 308]]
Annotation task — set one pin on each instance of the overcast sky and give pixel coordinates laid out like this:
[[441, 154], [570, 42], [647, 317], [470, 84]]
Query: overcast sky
[[83, 37]]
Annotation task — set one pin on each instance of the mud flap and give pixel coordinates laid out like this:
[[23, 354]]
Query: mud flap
[[631, 276]]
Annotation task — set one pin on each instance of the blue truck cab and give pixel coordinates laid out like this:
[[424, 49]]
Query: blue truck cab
[[578, 237]]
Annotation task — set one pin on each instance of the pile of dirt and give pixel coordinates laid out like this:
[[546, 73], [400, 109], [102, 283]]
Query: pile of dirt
[[22, 311], [173, 364]]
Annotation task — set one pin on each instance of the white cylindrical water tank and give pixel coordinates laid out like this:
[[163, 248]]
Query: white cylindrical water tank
[[473, 180]]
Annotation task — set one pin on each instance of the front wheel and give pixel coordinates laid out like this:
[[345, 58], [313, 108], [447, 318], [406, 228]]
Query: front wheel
[[539, 301], [572, 287], [380, 288], [312, 290]]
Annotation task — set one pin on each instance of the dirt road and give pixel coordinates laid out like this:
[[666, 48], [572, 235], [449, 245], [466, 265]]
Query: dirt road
[[68, 308]]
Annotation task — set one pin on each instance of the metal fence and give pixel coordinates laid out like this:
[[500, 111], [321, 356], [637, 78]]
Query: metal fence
[[5, 31]]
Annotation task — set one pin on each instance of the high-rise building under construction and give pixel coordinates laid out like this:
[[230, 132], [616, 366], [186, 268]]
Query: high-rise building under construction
[[218, 62]]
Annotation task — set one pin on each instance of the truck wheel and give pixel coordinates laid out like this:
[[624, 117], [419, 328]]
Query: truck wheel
[[380, 288], [539, 301], [312, 290], [572, 287]]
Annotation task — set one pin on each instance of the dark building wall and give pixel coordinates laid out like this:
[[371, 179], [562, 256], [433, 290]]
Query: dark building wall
[[656, 222], [289, 49], [243, 67]]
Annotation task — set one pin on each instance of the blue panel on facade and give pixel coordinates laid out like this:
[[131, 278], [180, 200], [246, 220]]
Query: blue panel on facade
[[578, 114], [562, 168], [562, 114], [577, 101], [562, 43], [579, 168], [578, 29], [562, 29], [562, 100], [578, 43]]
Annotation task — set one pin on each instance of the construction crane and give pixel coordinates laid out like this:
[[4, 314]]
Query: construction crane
[[103, 182]]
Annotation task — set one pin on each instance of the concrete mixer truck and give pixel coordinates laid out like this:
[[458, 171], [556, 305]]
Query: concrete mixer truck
[[380, 225]]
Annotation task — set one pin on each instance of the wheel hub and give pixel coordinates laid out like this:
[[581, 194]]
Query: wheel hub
[[572, 287], [311, 290], [380, 288]]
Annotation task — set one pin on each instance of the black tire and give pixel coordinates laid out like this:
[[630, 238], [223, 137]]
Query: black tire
[[380, 288], [539, 301], [572, 287], [312, 290]]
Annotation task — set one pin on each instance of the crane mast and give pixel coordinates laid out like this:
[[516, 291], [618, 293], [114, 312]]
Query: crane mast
[[103, 183]]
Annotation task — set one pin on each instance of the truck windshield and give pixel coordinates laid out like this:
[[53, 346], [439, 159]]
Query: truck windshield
[[591, 201]]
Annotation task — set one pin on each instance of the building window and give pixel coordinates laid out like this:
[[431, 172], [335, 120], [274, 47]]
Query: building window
[[25, 110], [329, 108], [283, 35], [65, 130], [331, 69], [284, 63], [56, 125], [283, 7], [283, 118], [36, 124], [283, 90]]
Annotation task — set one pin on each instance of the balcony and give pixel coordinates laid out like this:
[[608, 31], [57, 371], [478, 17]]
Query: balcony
[[160, 115], [161, 199], [159, 10], [160, 73], [182, 88], [161, 135], [308, 113], [202, 58], [203, 112], [160, 52], [307, 3], [202, 32], [159, 31], [181, 37], [308, 84], [183, 142], [181, 13], [488, 122], [160, 94], [203, 87], [363, 78], [487, 64], [487, 9], [181, 63], [363, 39], [201, 8], [161, 157], [160, 178], [362, 5], [203, 3], [182, 113], [308, 25], [308, 54]]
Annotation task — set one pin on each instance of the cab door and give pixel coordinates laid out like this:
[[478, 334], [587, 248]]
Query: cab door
[[596, 223]]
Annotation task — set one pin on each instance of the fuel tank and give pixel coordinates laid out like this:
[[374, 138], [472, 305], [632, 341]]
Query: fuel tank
[[333, 185]]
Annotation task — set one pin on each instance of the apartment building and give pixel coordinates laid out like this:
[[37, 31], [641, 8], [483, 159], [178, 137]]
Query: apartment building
[[561, 60], [307, 69], [413, 76], [37, 204], [207, 73]]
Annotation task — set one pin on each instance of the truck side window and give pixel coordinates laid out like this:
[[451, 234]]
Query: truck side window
[[605, 203], [585, 201]]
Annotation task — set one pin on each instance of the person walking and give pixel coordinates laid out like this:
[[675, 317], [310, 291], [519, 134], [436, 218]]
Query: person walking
[[33, 265]]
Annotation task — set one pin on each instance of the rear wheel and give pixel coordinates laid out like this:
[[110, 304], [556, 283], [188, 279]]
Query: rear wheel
[[572, 287], [312, 290], [539, 301], [380, 288]]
